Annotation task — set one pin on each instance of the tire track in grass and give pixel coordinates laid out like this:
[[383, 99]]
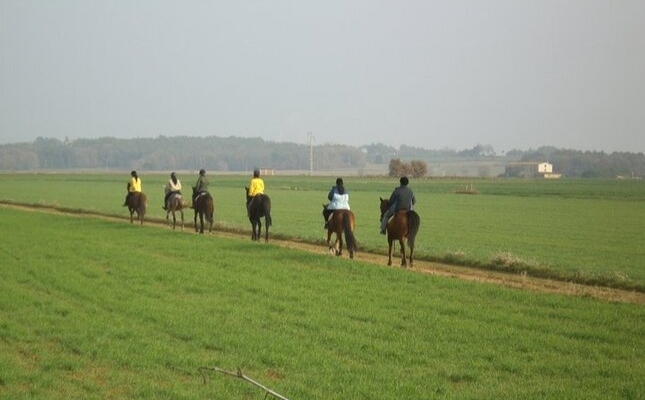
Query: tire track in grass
[[516, 281]]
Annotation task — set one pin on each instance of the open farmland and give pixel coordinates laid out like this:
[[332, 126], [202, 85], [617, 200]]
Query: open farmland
[[95, 308], [588, 231]]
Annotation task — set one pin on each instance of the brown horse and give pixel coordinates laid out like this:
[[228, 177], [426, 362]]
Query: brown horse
[[403, 225], [176, 204], [341, 221], [205, 208], [137, 203]]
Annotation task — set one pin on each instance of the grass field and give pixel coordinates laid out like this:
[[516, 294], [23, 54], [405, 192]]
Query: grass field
[[589, 231], [97, 309]]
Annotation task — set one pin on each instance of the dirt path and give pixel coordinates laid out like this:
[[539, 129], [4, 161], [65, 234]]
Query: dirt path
[[522, 282]]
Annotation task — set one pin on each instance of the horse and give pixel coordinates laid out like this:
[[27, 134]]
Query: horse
[[259, 206], [403, 225], [137, 203], [341, 221], [205, 208], [175, 204]]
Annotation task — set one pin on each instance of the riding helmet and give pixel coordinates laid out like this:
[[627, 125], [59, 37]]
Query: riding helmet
[[256, 173], [202, 171], [404, 181], [133, 173], [339, 182]]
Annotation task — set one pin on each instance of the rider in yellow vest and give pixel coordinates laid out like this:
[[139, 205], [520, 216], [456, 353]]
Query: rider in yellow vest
[[134, 186], [256, 187]]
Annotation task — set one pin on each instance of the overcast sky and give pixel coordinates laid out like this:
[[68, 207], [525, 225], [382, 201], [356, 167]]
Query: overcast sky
[[514, 74]]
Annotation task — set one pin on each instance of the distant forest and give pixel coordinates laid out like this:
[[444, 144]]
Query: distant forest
[[233, 154]]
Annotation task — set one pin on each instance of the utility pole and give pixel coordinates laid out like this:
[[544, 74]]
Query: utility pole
[[310, 141]]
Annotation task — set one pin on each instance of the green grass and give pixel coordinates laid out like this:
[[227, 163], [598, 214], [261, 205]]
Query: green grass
[[96, 309], [588, 231]]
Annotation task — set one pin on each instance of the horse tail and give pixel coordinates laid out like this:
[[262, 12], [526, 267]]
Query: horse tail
[[414, 221], [267, 210], [349, 234], [142, 202], [210, 209]]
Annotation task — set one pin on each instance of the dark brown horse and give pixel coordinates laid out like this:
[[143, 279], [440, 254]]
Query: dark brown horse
[[205, 208], [259, 207], [341, 221], [403, 225], [176, 204], [137, 203]]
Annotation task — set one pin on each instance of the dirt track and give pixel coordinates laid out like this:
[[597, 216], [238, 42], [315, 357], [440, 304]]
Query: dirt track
[[458, 272]]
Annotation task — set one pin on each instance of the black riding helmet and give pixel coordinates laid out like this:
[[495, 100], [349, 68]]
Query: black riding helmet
[[202, 171], [133, 173], [256, 173], [404, 181], [339, 182]]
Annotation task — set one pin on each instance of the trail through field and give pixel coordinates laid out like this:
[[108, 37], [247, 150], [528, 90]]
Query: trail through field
[[517, 281]]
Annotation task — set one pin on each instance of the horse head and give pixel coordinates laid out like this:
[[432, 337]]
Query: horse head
[[385, 205]]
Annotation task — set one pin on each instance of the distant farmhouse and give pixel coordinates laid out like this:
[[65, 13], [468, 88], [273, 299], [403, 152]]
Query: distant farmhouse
[[531, 170]]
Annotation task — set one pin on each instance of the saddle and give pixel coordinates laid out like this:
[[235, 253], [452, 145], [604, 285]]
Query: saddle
[[200, 194]]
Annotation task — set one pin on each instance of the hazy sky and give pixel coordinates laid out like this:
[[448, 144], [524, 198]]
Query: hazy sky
[[514, 74]]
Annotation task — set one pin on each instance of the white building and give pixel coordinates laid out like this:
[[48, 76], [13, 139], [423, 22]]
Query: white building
[[530, 170]]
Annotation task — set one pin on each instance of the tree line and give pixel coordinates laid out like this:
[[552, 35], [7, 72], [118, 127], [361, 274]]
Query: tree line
[[243, 154]]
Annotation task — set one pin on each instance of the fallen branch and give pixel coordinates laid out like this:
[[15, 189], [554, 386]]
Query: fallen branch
[[240, 375]]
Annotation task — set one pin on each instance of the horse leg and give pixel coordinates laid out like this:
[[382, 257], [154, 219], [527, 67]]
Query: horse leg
[[403, 259], [330, 246], [182, 219], [201, 223], [195, 221], [339, 239], [411, 254], [389, 251], [140, 213], [266, 231], [259, 234]]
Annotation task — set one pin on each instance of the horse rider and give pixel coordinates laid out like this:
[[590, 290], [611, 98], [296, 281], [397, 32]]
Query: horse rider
[[338, 200], [402, 198], [201, 186], [134, 186], [256, 187], [173, 186]]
